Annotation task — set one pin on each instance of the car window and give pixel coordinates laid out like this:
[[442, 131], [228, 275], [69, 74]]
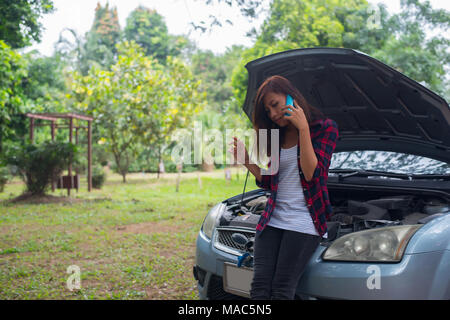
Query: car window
[[394, 162]]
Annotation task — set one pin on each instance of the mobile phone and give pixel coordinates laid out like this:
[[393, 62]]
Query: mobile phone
[[289, 102]]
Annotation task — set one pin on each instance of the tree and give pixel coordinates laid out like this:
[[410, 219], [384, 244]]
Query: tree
[[175, 109], [97, 47], [44, 86], [20, 21], [100, 44], [71, 48], [215, 72], [12, 71], [408, 49], [106, 26], [398, 40], [137, 102], [249, 8], [148, 28]]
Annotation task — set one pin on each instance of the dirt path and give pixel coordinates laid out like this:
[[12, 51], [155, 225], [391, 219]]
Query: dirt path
[[218, 173]]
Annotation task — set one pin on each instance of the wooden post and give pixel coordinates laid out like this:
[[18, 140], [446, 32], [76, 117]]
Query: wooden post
[[31, 130], [89, 157], [76, 169], [53, 130], [159, 162], [53, 139], [70, 160]]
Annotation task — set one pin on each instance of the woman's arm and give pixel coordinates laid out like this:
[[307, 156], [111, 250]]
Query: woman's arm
[[308, 159], [255, 170], [323, 143], [262, 181]]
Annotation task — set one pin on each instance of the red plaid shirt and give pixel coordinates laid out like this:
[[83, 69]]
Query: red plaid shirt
[[324, 134]]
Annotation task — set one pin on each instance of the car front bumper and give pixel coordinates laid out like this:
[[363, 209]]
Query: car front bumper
[[208, 269], [412, 278]]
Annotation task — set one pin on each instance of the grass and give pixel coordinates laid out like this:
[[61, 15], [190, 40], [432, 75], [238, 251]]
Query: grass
[[131, 241]]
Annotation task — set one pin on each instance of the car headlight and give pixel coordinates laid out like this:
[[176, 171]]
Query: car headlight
[[212, 219], [385, 244]]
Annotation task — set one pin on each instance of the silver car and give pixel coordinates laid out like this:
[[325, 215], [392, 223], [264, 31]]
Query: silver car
[[388, 182]]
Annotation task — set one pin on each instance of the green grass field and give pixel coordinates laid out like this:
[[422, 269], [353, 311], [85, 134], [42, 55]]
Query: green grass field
[[130, 241]]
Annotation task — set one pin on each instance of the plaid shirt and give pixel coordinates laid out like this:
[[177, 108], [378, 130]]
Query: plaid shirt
[[324, 134]]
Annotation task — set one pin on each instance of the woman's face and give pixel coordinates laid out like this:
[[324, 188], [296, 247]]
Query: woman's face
[[273, 102]]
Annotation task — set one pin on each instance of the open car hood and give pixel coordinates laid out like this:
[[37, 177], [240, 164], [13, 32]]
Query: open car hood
[[375, 106]]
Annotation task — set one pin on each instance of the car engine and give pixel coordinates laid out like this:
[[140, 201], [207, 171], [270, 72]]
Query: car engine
[[349, 215]]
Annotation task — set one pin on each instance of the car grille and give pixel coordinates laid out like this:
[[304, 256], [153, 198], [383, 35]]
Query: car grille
[[224, 241]]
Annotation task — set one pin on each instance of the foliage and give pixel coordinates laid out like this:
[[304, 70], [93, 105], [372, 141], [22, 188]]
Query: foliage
[[148, 28], [71, 47], [408, 49], [12, 71], [20, 21], [101, 40], [45, 87], [398, 40], [97, 48], [308, 23], [223, 112], [295, 24], [98, 177], [179, 101], [239, 77], [28, 83], [138, 102], [39, 165], [215, 72], [106, 25], [251, 9]]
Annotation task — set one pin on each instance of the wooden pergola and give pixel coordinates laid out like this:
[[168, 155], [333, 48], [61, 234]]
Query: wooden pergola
[[69, 182]]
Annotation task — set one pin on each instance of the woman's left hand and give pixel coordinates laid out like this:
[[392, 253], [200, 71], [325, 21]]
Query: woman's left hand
[[296, 116]]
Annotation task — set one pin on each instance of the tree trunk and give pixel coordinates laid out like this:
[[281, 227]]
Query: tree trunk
[[1, 137], [199, 180], [159, 161], [207, 167], [179, 169], [122, 171]]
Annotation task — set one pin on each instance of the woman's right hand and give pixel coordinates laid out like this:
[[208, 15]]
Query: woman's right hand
[[239, 145]]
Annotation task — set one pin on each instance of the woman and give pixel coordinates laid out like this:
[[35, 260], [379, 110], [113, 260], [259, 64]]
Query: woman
[[294, 220]]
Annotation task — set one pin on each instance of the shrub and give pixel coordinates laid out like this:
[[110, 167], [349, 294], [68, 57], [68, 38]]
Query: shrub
[[98, 177], [39, 165]]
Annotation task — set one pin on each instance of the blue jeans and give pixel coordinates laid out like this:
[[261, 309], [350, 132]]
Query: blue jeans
[[280, 257]]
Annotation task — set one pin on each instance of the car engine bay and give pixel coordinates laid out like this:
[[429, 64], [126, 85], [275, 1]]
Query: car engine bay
[[350, 215]]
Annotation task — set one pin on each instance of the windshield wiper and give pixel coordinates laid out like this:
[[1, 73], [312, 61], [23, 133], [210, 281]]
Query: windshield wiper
[[345, 173]]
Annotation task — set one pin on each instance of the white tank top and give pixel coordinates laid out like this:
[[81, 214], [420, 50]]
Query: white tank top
[[290, 211]]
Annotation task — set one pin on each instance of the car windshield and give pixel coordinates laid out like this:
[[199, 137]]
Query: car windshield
[[388, 161]]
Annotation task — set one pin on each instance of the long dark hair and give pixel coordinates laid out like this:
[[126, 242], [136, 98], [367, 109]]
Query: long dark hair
[[260, 118]]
